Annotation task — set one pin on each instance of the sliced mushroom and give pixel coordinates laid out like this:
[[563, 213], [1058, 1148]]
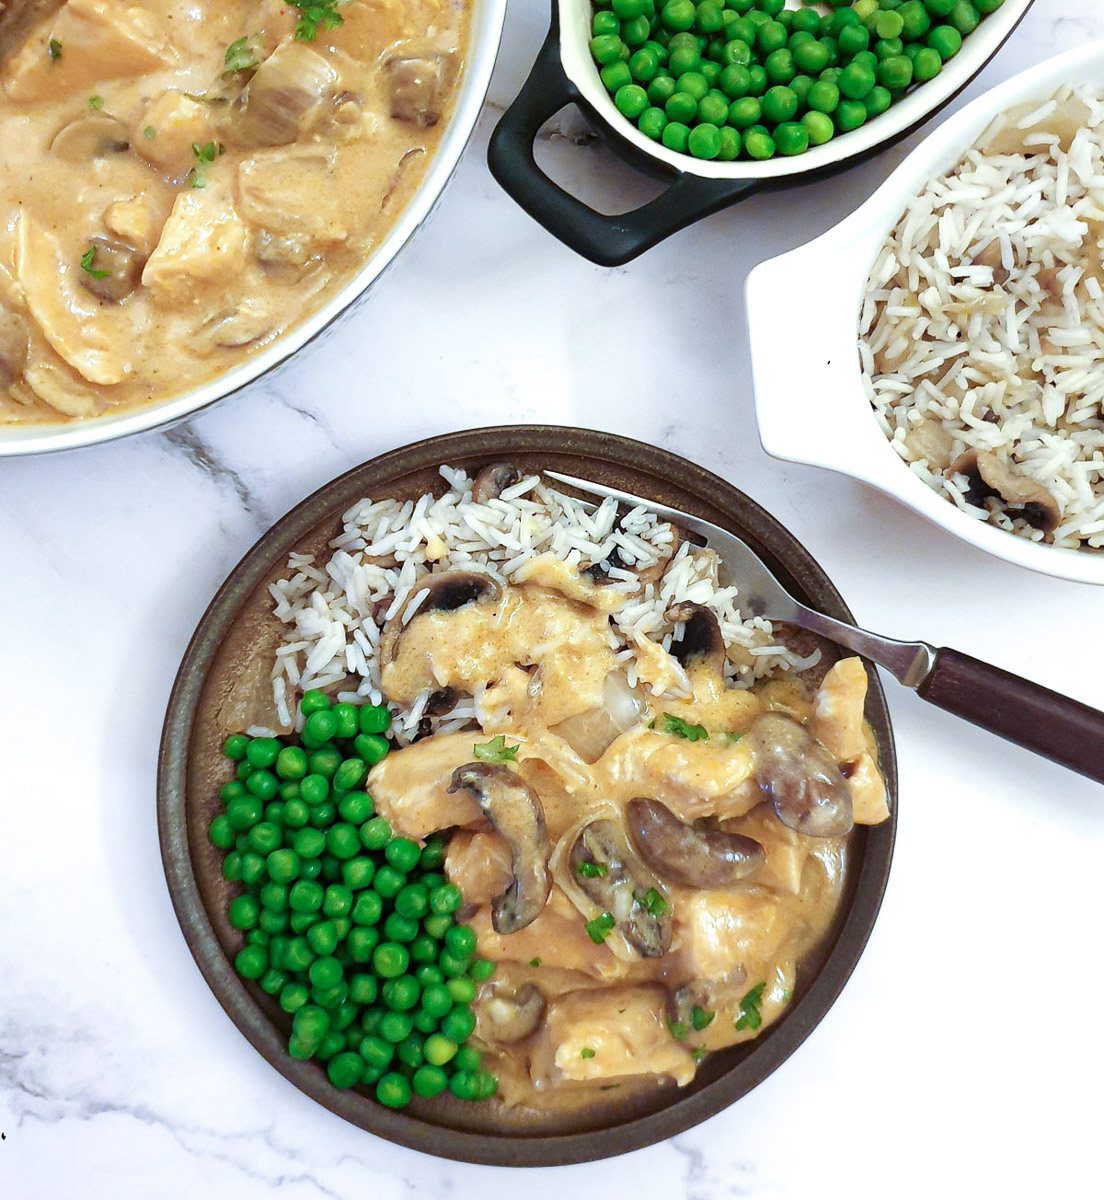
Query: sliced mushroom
[[90, 137], [701, 644], [604, 867], [285, 91], [448, 592], [492, 481], [418, 85], [510, 1015], [695, 856], [1020, 497], [516, 812], [14, 347], [123, 265], [799, 777]]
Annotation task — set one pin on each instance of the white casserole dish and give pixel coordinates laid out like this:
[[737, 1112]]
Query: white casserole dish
[[809, 397], [486, 34]]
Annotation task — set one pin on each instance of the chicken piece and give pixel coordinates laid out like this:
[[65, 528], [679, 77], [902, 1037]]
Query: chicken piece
[[706, 778], [868, 791], [720, 932], [558, 937], [838, 719], [135, 221], [202, 245], [95, 339], [96, 40], [410, 787], [784, 849], [178, 123], [479, 864], [55, 384], [608, 1034], [292, 190]]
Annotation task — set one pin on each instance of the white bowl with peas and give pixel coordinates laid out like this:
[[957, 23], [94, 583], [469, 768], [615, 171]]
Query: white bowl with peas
[[727, 96]]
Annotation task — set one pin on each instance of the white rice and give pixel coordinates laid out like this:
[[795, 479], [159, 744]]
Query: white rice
[[1005, 355], [334, 611]]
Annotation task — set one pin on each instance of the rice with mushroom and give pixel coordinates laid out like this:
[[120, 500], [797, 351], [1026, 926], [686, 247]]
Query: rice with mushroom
[[982, 326], [334, 611]]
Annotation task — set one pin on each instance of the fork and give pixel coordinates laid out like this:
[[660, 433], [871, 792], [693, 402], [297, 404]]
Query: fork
[[1045, 722]]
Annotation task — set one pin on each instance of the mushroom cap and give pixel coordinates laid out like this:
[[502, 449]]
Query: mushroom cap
[[493, 480], [702, 644], [123, 265], [448, 591], [800, 778], [515, 811], [1021, 497], [92, 136], [695, 857], [509, 1015]]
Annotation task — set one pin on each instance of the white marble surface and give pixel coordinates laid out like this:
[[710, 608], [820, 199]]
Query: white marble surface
[[964, 1057]]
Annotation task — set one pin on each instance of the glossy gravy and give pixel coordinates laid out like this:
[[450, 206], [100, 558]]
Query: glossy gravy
[[609, 1014], [186, 180]]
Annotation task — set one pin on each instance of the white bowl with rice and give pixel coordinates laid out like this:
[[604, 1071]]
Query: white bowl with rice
[[891, 385]]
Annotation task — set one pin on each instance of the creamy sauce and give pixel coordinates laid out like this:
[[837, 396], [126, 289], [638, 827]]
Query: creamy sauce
[[533, 659], [221, 206]]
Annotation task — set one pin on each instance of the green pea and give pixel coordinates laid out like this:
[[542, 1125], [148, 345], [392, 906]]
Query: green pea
[[296, 814], [462, 990], [389, 882], [302, 921], [265, 837], [731, 144], [429, 1081], [464, 1085], [791, 138], [322, 938], [251, 962], [343, 841], [230, 790], [357, 873], [360, 942], [373, 747], [393, 1091], [376, 1051], [262, 752], [757, 80], [651, 122], [964, 17], [396, 1027], [252, 868], [324, 762], [345, 1070], [856, 81], [819, 127], [467, 1059], [273, 922], [713, 108], [895, 73], [305, 896], [614, 76], [678, 15], [424, 949], [298, 955], [877, 100], [429, 973], [439, 1049], [926, 65], [985, 7], [367, 909], [460, 941], [221, 832], [235, 746], [319, 728], [605, 22], [390, 960], [661, 89], [779, 104], [309, 843], [314, 789], [349, 776], [243, 812], [850, 115], [771, 36], [811, 57], [676, 136], [293, 996], [759, 145], [888, 48], [375, 718], [946, 41], [313, 701], [644, 64], [325, 972], [780, 67], [459, 1024], [244, 911], [915, 20], [337, 901], [402, 993], [482, 969], [232, 866]]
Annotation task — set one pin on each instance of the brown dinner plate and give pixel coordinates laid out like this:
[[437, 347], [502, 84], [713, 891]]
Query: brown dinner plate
[[230, 650]]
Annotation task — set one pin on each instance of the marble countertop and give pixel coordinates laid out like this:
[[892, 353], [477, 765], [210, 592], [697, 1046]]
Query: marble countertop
[[964, 1056]]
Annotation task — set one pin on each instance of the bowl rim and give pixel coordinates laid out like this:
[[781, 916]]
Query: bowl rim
[[483, 46], [911, 111], [844, 436], [703, 492]]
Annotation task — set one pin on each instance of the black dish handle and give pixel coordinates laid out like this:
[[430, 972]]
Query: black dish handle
[[608, 241]]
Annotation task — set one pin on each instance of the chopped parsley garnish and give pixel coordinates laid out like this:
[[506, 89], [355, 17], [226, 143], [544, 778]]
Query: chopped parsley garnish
[[750, 1016], [679, 728], [787, 995], [95, 103], [150, 132], [698, 1053], [204, 156], [734, 737], [654, 902], [701, 1017], [678, 1030], [586, 1052], [88, 258], [495, 751], [600, 928], [242, 55], [54, 50], [534, 962], [316, 15], [592, 870]]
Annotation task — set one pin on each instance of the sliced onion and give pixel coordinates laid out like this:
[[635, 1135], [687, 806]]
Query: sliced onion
[[590, 734]]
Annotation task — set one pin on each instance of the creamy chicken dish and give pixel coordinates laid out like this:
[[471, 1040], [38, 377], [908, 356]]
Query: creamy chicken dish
[[184, 182], [647, 845]]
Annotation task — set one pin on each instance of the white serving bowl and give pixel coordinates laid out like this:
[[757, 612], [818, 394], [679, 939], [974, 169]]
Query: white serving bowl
[[486, 35], [809, 397]]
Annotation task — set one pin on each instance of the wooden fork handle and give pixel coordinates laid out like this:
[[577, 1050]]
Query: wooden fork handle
[[1061, 729]]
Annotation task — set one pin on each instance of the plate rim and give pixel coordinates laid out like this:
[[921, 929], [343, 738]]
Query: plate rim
[[687, 1110]]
